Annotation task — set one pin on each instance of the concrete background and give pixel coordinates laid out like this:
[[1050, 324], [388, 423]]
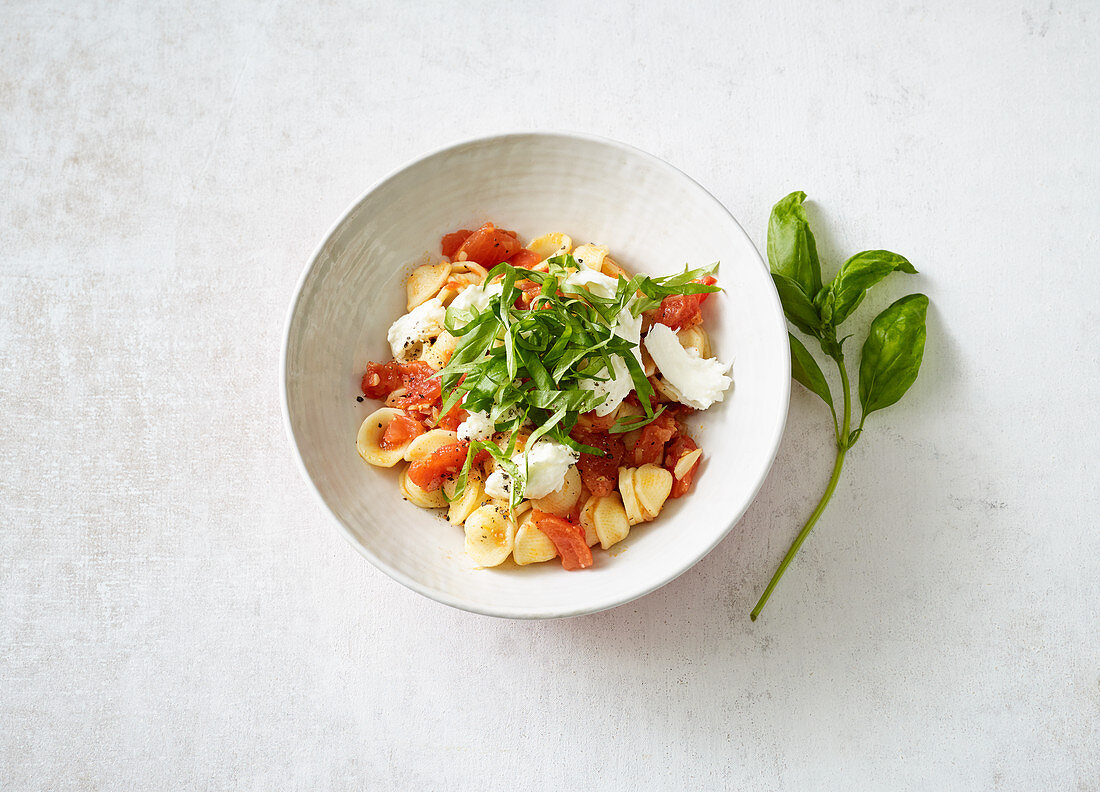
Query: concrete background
[[177, 612]]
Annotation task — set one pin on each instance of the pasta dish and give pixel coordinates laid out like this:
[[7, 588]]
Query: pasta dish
[[537, 393]]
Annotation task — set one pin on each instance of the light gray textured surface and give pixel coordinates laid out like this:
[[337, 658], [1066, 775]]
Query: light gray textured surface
[[178, 612]]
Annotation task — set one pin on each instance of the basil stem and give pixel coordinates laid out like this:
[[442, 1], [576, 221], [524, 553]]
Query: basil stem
[[841, 449]]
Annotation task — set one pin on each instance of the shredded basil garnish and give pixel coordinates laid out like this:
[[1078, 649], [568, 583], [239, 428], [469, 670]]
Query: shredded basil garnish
[[525, 366]]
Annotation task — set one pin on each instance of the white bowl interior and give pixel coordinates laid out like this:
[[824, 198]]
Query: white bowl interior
[[655, 220]]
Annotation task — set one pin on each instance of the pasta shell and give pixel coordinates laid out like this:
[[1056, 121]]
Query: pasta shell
[[532, 546], [425, 283], [612, 525], [440, 351], [426, 444], [611, 269], [590, 256], [695, 338], [457, 283], [419, 497], [606, 518], [590, 537], [589, 529], [549, 245], [490, 535], [370, 438], [473, 497], [561, 501], [652, 485], [471, 267], [630, 499]]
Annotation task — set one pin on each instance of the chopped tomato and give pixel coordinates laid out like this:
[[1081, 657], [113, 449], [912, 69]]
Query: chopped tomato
[[382, 379], [428, 474], [678, 448], [680, 311], [422, 388], [530, 291], [651, 443], [568, 538], [453, 241], [401, 430], [489, 245], [524, 258], [654, 400], [453, 418], [599, 473]]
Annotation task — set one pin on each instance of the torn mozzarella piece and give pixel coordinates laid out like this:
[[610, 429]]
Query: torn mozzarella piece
[[476, 298], [698, 382], [548, 462], [477, 426], [419, 325], [499, 485]]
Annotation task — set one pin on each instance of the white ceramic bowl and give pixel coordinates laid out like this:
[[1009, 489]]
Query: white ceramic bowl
[[655, 219]]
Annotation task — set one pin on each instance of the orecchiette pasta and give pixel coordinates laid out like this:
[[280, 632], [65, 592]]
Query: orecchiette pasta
[[490, 535], [440, 351], [457, 283], [644, 491], [473, 497], [611, 269], [420, 497], [425, 283], [590, 256], [590, 536], [606, 517], [532, 545], [549, 245], [369, 440], [562, 500], [469, 267], [423, 446], [695, 338]]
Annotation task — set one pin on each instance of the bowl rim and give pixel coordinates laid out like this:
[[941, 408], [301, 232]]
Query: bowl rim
[[449, 599]]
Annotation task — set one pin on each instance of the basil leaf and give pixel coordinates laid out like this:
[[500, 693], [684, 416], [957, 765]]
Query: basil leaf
[[792, 251], [892, 353], [839, 299], [796, 305], [630, 422], [805, 370]]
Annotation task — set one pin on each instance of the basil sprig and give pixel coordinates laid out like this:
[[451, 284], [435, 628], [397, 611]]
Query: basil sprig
[[892, 353], [530, 365]]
